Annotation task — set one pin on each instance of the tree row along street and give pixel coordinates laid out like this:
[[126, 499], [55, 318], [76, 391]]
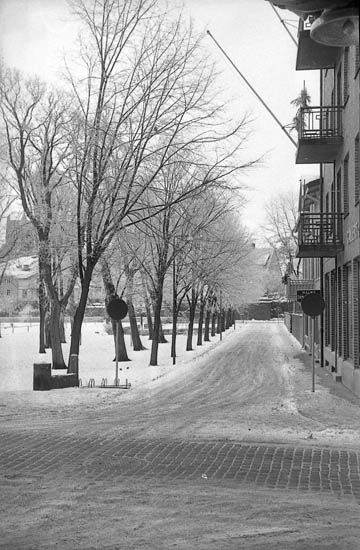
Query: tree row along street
[[237, 453], [130, 164]]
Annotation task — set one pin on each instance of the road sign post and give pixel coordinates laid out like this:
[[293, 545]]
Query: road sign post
[[117, 309], [313, 355], [312, 304]]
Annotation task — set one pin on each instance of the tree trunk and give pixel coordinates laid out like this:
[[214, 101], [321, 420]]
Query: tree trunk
[[72, 309], [149, 320], [122, 353], [222, 320], [110, 294], [190, 327], [218, 322], [162, 339], [79, 316], [147, 309], [200, 324], [228, 318], [157, 325], [192, 310], [213, 323], [173, 336], [137, 344], [57, 354], [47, 330], [62, 328], [158, 332], [207, 326], [41, 315], [45, 272]]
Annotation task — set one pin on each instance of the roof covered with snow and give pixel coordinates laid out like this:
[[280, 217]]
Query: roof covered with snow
[[21, 268]]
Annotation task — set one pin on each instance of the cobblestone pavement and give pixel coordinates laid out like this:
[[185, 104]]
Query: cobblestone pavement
[[273, 466]]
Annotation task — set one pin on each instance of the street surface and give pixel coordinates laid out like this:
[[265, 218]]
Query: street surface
[[236, 452]]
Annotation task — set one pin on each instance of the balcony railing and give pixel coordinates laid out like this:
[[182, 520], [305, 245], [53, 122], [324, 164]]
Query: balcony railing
[[320, 235], [320, 122], [320, 134]]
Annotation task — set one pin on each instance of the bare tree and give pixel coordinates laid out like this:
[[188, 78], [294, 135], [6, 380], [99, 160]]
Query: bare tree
[[7, 200], [145, 97], [280, 230], [36, 125], [223, 257]]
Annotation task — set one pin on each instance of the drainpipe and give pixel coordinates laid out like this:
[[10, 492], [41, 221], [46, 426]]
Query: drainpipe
[[321, 275], [321, 259], [336, 315], [336, 286]]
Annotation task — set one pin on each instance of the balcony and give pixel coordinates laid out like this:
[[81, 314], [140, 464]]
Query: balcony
[[313, 55], [319, 134], [319, 235], [293, 285]]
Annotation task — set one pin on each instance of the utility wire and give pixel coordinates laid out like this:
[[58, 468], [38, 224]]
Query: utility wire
[[253, 90], [282, 21]]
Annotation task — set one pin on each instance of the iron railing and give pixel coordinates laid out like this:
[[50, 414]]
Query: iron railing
[[320, 122], [317, 229]]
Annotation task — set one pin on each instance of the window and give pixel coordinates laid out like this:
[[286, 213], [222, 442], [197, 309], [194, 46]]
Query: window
[[338, 192], [24, 293], [357, 173], [332, 308], [327, 310], [338, 87], [349, 313], [346, 75], [345, 313], [356, 311], [339, 309], [346, 185], [8, 292]]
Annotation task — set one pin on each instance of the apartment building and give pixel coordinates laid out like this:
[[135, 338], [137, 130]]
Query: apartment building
[[329, 217]]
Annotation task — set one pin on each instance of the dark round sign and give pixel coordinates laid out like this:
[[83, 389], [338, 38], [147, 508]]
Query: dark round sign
[[117, 309], [313, 304]]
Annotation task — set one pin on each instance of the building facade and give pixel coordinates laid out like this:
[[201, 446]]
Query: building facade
[[329, 217], [18, 284]]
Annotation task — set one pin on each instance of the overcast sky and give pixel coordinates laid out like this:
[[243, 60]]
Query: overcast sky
[[35, 33]]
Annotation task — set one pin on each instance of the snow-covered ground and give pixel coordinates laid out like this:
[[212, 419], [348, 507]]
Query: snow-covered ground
[[19, 351], [253, 385]]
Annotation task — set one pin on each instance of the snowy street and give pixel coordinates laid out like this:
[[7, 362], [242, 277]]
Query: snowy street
[[227, 449]]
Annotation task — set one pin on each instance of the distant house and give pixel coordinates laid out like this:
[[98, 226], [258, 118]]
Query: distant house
[[267, 266], [18, 282], [20, 237], [263, 284]]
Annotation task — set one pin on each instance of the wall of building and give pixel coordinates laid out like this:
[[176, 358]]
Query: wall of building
[[341, 194]]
